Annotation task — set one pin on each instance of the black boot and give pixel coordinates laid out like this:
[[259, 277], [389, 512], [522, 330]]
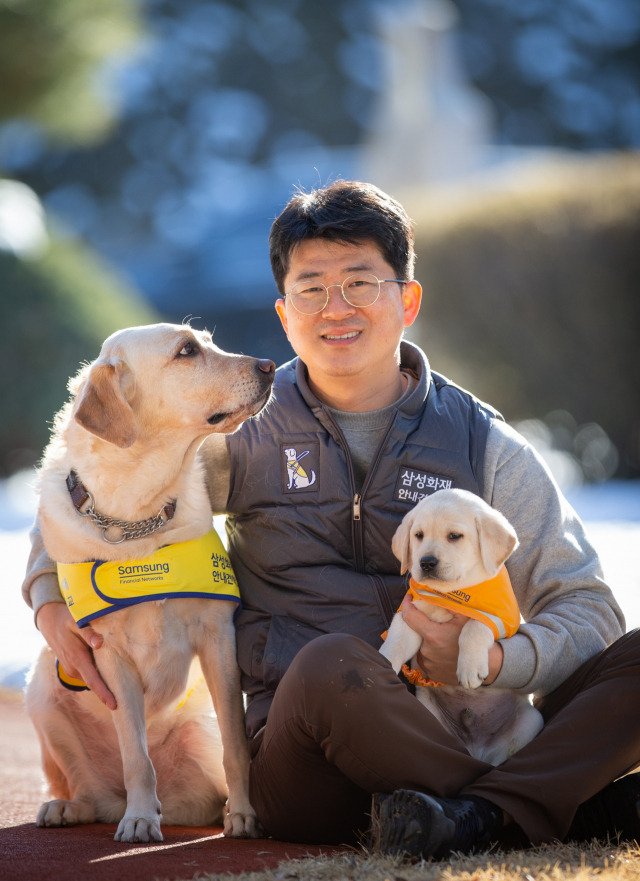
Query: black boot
[[416, 825], [613, 812]]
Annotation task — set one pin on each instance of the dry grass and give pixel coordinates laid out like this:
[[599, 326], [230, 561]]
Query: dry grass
[[560, 862]]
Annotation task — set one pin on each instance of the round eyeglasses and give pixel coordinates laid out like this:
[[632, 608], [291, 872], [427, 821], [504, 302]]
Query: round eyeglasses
[[360, 290]]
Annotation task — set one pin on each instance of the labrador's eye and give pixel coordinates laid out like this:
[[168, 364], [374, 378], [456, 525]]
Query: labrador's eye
[[188, 350], [454, 536], [419, 535]]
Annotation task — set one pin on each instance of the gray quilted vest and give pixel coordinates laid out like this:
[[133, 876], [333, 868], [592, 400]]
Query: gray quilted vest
[[313, 556]]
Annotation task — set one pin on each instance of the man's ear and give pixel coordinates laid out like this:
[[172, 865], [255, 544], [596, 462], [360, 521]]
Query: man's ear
[[101, 407], [281, 309], [411, 300]]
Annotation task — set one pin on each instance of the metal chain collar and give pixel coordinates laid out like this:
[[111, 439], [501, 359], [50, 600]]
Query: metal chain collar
[[128, 529]]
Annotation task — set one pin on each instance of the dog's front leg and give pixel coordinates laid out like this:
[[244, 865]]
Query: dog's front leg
[[401, 644], [141, 821], [473, 659], [220, 669]]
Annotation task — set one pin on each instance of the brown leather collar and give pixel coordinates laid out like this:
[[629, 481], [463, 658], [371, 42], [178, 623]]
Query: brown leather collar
[[77, 490]]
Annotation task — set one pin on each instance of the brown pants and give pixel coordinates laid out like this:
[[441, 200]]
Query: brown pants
[[342, 726]]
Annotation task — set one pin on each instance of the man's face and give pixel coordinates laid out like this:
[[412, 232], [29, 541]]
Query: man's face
[[344, 346]]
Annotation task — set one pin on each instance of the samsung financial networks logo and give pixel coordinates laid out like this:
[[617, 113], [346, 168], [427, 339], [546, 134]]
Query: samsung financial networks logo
[[142, 569]]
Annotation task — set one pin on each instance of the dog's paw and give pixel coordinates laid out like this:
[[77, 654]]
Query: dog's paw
[[237, 825], [472, 675], [141, 829], [62, 812]]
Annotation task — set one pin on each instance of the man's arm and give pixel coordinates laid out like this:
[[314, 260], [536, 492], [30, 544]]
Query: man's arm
[[71, 645], [40, 584], [570, 613], [214, 454], [569, 610]]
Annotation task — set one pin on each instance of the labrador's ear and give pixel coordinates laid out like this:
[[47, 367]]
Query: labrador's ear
[[498, 540], [101, 406], [401, 542]]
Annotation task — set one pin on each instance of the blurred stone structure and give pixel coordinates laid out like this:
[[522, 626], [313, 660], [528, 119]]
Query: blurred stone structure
[[431, 126]]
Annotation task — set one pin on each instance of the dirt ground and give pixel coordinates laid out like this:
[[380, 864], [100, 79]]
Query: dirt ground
[[28, 853]]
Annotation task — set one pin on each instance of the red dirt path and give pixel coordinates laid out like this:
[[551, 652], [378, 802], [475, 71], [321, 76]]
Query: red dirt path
[[89, 852]]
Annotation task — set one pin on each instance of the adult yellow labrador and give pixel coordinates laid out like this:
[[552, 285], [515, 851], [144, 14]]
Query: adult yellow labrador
[[125, 513], [454, 547]]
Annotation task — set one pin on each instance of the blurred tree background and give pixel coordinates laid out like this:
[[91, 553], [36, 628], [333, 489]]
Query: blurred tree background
[[532, 302], [163, 136], [58, 298]]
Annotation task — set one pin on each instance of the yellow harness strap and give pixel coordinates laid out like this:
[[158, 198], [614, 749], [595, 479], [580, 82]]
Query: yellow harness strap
[[196, 568]]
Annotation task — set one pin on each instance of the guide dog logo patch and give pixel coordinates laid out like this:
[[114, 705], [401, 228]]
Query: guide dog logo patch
[[296, 475]]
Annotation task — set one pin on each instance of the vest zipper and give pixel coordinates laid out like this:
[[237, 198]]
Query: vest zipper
[[357, 502], [356, 514]]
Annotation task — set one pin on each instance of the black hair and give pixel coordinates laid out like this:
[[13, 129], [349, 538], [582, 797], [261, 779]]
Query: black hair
[[344, 211]]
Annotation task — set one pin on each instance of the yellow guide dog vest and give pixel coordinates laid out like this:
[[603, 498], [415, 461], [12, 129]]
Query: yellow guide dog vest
[[196, 568]]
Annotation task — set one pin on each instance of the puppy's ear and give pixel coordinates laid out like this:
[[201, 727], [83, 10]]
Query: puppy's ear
[[401, 542], [101, 406], [498, 540]]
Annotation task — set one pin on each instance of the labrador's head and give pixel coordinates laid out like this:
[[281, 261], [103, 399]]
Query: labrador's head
[[452, 540], [165, 380]]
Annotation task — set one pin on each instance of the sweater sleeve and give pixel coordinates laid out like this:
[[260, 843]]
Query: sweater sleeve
[[40, 583], [569, 611], [214, 453]]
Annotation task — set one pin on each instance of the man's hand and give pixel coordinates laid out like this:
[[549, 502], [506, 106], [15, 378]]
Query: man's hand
[[438, 654], [73, 646]]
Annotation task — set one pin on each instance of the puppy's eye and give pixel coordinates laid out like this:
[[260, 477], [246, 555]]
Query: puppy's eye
[[454, 536], [188, 350], [419, 535]]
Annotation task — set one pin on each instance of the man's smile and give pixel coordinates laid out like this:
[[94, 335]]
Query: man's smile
[[341, 336]]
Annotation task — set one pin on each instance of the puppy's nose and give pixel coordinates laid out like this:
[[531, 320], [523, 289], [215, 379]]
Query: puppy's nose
[[266, 366], [428, 564]]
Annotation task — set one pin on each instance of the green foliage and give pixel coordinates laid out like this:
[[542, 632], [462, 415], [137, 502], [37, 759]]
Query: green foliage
[[55, 312], [531, 293], [49, 54]]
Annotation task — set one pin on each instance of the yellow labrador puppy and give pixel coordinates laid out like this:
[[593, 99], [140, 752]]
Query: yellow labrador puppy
[[125, 513], [454, 547]]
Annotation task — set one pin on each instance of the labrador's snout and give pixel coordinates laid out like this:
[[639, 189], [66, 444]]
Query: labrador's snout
[[266, 366], [429, 564], [265, 373]]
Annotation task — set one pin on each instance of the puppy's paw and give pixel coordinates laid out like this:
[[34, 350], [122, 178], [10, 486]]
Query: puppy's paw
[[471, 673], [142, 829], [62, 812], [246, 825]]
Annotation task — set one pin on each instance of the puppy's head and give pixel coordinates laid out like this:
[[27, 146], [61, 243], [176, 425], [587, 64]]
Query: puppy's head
[[165, 380], [452, 540]]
